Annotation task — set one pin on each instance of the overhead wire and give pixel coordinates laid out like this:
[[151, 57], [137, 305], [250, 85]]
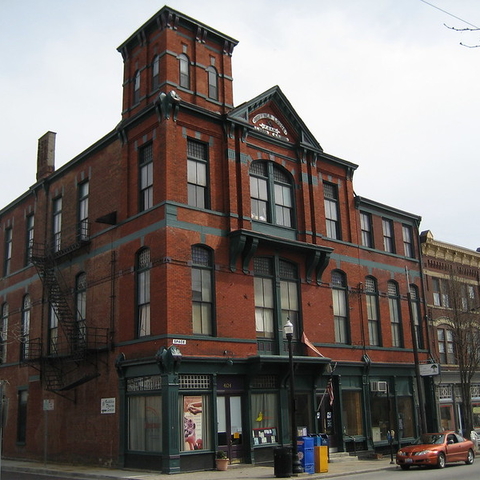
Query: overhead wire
[[450, 14]]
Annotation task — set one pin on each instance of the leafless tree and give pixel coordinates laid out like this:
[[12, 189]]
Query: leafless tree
[[464, 318], [465, 30]]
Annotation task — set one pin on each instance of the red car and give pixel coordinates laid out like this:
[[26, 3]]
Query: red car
[[436, 450]]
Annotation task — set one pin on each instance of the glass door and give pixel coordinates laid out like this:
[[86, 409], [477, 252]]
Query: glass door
[[229, 426]]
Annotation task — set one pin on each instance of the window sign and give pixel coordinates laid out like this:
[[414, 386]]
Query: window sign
[[107, 405]]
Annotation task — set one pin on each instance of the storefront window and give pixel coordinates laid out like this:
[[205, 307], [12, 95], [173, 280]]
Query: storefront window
[[145, 423], [382, 416], [352, 412], [405, 417], [476, 415], [196, 422], [446, 417], [264, 413]]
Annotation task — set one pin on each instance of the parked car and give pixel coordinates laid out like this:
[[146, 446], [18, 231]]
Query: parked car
[[436, 450]]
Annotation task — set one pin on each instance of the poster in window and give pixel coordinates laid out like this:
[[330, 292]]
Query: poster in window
[[192, 422]]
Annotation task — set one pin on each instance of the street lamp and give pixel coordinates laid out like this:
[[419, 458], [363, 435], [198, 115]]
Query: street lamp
[[296, 467]]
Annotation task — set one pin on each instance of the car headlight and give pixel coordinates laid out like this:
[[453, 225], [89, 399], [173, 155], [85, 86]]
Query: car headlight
[[423, 452], [401, 453]]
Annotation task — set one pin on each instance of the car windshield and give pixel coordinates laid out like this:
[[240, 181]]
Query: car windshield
[[430, 439]]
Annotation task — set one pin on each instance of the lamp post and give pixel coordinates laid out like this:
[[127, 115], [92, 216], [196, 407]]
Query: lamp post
[[296, 467]]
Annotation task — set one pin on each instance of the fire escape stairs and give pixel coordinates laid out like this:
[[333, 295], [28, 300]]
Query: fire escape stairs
[[68, 362]]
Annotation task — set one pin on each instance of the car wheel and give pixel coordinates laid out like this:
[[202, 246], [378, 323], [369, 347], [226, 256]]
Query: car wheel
[[470, 457], [441, 460], [404, 467]]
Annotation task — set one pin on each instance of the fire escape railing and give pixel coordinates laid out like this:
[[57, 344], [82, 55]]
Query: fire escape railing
[[61, 358]]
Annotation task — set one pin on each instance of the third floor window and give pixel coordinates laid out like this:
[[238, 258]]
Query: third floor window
[[145, 163], [332, 215], [271, 194]]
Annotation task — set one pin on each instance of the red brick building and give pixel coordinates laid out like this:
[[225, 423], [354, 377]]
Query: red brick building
[[146, 284]]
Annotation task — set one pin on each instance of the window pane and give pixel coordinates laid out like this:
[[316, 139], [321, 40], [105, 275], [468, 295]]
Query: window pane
[[195, 422]]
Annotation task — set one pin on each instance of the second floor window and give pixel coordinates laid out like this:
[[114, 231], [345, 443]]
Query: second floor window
[[202, 291], [30, 225], [8, 251], [145, 162], [25, 328], [388, 239], [416, 314], [276, 284], [340, 307], [53, 330], [3, 333], [83, 192], [271, 194], [197, 174], [446, 347], [57, 224], [81, 307], [332, 215], [371, 296], [366, 227], [395, 317], [143, 293], [440, 292]]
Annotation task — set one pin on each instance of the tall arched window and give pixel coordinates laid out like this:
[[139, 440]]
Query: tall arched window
[[3, 333], [202, 290], [271, 194], [25, 328], [136, 87], [395, 315], [184, 71], [371, 297], [81, 304], [143, 292], [156, 72], [212, 77], [417, 324], [340, 307]]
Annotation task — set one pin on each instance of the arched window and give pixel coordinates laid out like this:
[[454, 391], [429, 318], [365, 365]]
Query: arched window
[[340, 307], [143, 292], [202, 290], [25, 328], [156, 72], [136, 87], [81, 304], [3, 333], [416, 314], [371, 297], [212, 77], [395, 315], [271, 194], [184, 71]]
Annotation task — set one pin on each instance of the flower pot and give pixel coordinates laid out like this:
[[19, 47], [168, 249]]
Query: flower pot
[[222, 463]]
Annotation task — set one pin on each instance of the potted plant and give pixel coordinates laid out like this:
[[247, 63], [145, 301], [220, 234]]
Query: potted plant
[[221, 460]]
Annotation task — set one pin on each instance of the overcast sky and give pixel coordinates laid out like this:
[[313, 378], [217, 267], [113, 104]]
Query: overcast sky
[[380, 83]]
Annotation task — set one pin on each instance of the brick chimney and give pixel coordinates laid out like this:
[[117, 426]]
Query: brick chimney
[[46, 155]]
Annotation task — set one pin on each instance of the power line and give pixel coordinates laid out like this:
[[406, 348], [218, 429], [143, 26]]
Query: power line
[[450, 14]]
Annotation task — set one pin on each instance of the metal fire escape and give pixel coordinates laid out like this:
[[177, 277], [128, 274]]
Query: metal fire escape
[[71, 354]]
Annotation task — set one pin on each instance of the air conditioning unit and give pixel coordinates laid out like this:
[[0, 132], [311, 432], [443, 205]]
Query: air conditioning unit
[[378, 387]]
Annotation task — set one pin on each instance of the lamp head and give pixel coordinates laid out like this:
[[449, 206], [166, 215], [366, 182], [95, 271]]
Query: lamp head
[[288, 328]]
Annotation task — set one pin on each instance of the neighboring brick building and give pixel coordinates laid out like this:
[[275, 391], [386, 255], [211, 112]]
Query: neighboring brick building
[[145, 284], [452, 278]]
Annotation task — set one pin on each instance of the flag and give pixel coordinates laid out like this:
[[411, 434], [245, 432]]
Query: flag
[[331, 395], [310, 345]]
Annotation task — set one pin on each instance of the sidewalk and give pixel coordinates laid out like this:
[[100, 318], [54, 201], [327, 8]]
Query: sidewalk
[[234, 472]]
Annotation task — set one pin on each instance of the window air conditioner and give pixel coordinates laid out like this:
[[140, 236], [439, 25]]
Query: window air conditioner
[[378, 387]]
